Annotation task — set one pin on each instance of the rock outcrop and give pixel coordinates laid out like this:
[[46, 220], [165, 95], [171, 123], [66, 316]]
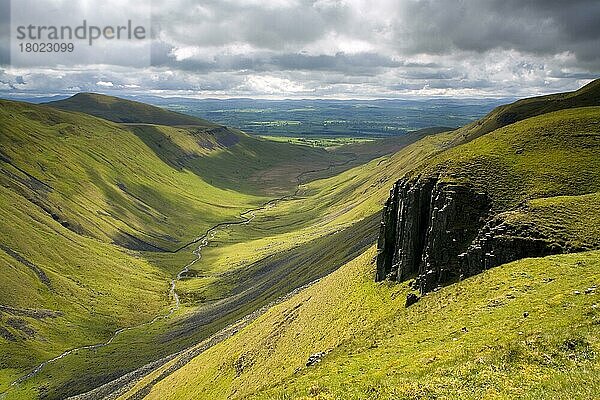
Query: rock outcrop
[[426, 225], [315, 358], [439, 232], [499, 243]]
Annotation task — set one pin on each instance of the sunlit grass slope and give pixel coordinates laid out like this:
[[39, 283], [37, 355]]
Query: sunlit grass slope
[[223, 157], [347, 205], [119, 110], [589, 95], [72, 185], [100, 180], [543, 172], [524, 167], [328, 224], [288, 244], [574, 220], [469, 340], [555, 154], [77, 191], [152, 187], [60, 290]]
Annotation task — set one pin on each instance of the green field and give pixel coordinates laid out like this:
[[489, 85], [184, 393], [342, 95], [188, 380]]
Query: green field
[[327, 142]]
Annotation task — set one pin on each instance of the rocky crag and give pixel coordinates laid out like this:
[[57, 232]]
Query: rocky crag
[[438, 232]]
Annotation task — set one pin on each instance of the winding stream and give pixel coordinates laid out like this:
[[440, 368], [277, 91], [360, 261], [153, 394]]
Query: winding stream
[[202, 241]]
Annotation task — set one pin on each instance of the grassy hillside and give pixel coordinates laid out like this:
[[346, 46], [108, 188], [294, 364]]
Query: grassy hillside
[[555, 154], [588, 95], [126, 111], [105, 186], [289, 243], [100, 180], [466, 341], [77, 191], [330, 219], [183, 141], [159, 183], [60, 290], [573, 220]]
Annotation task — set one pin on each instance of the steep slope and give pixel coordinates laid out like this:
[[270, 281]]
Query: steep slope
[[224, 157], [288, 243], [470, 340], [330, 221], [78, 194], [449, 219], [589, 95], [151, 188], [60, 290], [98, 179], [309, 235]]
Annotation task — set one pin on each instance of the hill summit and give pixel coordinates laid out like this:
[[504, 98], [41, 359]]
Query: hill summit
[[125, 111]]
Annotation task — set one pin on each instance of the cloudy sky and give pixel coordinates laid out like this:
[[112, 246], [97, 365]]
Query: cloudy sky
[[335, 49]]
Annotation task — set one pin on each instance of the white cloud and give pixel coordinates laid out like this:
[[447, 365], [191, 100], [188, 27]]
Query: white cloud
[[272, 85], [185, 52]]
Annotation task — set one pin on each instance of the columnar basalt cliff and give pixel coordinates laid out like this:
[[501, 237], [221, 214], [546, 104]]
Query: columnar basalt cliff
[[426, 225], [403, 230], [438, 232]]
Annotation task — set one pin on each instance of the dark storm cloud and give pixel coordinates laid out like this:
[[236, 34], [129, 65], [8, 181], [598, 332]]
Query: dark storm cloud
[[310, 34], [359, 64], [534, 26], [272, 25], [356, 47]]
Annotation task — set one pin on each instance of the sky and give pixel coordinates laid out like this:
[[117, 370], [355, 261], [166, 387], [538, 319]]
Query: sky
[[332, 49]]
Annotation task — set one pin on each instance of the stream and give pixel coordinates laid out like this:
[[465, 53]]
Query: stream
[[202, 241]]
